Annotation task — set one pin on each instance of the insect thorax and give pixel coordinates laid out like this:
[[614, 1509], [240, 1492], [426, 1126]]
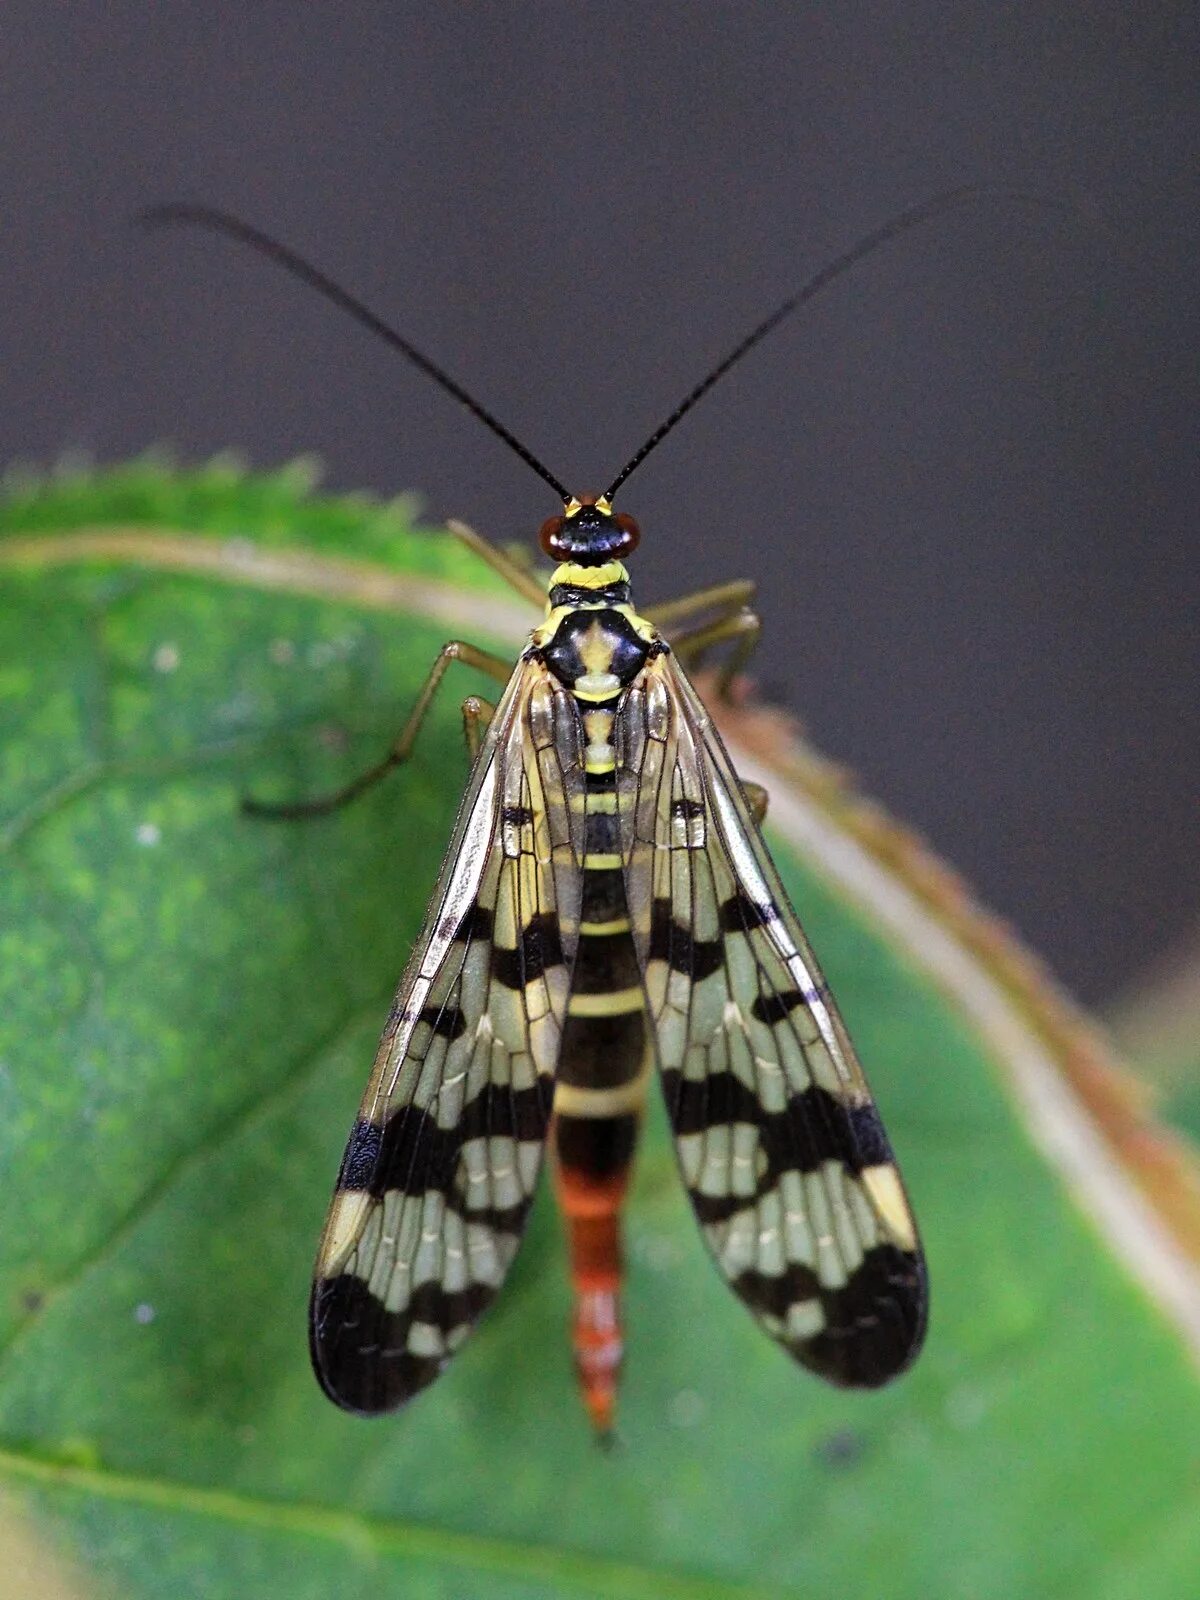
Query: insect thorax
[[593, 640]]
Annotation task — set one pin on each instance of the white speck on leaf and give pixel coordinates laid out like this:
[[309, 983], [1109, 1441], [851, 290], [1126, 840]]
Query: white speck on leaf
[[659, 1252], [239, 709], [685, 1409], [166, 658], [965, 1408], [144, 1313], [148, 833]]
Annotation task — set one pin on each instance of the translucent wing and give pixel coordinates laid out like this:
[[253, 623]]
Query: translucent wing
[[440, 1170], [782, 1151]]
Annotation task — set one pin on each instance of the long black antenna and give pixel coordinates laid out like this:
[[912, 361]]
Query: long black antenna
[[282, 256], [946, 201]]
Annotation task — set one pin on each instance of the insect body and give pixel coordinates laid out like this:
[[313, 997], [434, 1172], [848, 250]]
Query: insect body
[[607, 901], [607, 906]]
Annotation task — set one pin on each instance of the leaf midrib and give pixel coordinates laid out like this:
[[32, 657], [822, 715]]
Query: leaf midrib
[[580, 1570]]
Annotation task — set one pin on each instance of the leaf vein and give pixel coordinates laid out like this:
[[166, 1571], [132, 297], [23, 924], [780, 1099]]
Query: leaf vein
[[227, 1128], [579, 1570]]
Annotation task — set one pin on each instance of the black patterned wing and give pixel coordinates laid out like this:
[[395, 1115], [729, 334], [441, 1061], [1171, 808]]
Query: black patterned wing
[[781, 1147], [440, 1170]]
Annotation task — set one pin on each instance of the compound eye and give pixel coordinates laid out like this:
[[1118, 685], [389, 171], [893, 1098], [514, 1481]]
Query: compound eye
[[632, 532], [549, 536]]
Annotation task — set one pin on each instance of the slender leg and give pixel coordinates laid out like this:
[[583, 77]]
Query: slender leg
[[739, 622], [743, 627], [477, 713], [723, 597], [454, 650], [757, 799], [511, 571], [525, 558]]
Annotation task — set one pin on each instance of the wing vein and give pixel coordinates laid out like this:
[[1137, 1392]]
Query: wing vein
[[780, 1146]]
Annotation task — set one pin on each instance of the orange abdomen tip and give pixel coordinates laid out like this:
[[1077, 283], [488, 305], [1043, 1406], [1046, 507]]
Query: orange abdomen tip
[[591, 1213], [598, 1350]]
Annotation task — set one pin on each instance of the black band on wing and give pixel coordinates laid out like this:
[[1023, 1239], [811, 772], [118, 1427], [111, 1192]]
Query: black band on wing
[[813, 1127], [874, 1324], [346, 1319], [382, 1159]]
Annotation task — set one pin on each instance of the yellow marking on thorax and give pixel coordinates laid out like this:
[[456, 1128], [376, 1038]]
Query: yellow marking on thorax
[[589, 577], [597, 578], [617, 1003], [598, 726], [599, 755], [596, 685], [596, 653], [546, 630]]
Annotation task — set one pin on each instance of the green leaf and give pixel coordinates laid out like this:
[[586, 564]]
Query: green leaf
[[190, 1001]]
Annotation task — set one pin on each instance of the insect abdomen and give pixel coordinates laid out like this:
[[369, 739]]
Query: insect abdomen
[[597, 1101]]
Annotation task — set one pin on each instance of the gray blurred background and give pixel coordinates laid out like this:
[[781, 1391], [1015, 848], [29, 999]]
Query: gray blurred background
[[965, 478]]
